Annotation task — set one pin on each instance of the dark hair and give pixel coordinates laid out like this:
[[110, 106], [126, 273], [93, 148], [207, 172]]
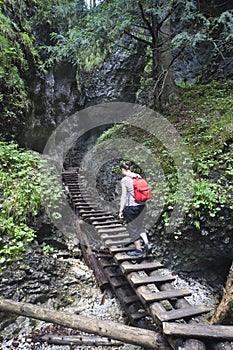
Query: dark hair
[[126, 165]]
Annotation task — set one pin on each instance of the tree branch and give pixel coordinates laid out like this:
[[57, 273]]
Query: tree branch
[[147, 22], [138, 38]]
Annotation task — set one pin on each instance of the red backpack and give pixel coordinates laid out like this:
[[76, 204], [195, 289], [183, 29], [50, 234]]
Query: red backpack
[[142, 190]]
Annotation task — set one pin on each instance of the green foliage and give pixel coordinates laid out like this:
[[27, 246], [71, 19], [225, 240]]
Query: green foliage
[[20, 199], [47, 249], [17, 47], [22, 192]]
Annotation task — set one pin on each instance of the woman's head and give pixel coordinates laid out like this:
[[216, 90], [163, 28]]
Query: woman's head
[[125, 168], [126, 165]]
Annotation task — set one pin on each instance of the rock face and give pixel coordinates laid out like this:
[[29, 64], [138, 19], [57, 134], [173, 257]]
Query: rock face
[[206, 252], [58, 95]]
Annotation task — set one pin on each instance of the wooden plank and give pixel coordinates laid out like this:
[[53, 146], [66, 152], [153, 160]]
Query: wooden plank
[[177, 314], [119, 257], [148, 266], [112, 230], [110, 222], [127, 248], [84, 204], [86, 207], [149, 296], [107, 225], [110, 242], [137, 281], [115, 237], [198, 330], [91, 213], [103, 216]]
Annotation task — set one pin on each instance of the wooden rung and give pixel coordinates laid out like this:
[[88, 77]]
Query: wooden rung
[[100, 216], [107, 225], [91, 213], [198, 330], [79, 203], [115, 249], [137, 281], [124, 257], [149, 296], [115, 237], [86, 207], [110, 222], [148, 266], [110, 242], [111, 230], [177, 314]]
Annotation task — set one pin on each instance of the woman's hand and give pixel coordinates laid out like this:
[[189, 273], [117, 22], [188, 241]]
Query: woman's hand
[[121, 215]]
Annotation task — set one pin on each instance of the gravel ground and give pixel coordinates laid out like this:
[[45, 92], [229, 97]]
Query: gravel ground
[[88, 301]]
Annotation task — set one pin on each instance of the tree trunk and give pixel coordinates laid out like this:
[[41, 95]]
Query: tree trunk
[[112, 330], [165, 88], [224, 312]]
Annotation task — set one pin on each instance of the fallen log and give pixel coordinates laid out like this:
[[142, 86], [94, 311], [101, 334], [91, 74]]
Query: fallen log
[[112, 330], [78, 340]]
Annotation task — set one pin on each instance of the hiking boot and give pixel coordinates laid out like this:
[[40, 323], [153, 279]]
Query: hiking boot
[[137, 253], [148, 248]]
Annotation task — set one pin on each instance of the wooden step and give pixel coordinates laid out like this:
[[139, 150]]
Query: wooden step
[[120, 257], [115, 237], [82, 203], [110, 222], [106, 225], [91, 213], [176, 314], [198, 330], [147, 266], [137, 281], [110, 242], [101, 217], [86, 207], [149, 296], [115, 250], [112, 230]]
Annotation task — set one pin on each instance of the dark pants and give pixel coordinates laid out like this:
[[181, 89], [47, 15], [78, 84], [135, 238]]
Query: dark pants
[[134, 216]]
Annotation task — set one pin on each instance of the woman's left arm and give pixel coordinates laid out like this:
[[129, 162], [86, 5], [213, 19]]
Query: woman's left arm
[[123, 199]]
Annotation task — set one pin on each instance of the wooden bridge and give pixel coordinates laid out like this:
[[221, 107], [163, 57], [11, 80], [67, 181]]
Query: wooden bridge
[[143, 286]]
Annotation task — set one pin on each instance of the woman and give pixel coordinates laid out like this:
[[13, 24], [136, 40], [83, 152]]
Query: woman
[[133, 212]]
